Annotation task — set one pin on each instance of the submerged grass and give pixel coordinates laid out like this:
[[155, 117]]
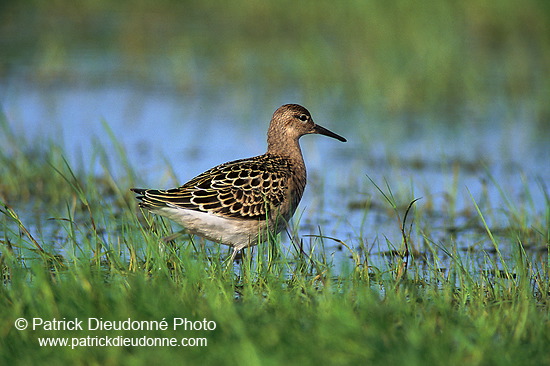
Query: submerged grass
[[291, 304]]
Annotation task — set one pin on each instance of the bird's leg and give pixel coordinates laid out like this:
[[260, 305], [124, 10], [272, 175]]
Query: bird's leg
[[234, 254]]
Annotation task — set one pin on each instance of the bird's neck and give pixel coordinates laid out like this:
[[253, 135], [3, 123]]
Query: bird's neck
[[278, 144], [290, 149]]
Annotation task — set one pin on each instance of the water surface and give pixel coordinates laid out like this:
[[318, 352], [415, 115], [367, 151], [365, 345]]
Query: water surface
[[446, 164]]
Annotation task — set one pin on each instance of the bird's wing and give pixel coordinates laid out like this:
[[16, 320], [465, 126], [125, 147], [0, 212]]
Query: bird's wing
[[245, 188]]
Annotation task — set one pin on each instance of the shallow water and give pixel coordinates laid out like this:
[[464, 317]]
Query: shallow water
[[422, 158]]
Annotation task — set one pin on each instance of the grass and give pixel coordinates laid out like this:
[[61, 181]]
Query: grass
[[99, 258]]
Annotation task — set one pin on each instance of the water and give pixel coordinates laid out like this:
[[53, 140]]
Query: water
[[417, 158]]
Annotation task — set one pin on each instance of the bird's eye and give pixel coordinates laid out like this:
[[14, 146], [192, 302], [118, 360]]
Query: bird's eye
[[303, 117]]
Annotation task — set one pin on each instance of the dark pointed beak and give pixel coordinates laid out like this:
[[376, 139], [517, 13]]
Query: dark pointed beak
[[323, 131]]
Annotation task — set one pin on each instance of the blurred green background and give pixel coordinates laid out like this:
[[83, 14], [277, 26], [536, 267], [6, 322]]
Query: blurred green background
[[392, 58]]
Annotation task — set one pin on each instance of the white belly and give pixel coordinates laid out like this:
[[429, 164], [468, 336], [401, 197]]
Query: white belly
[[228, 231]]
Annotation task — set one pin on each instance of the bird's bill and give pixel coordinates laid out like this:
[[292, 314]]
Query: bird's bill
[[323, 131]]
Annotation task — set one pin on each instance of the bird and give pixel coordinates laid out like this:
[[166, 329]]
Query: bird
[[241, 202]]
